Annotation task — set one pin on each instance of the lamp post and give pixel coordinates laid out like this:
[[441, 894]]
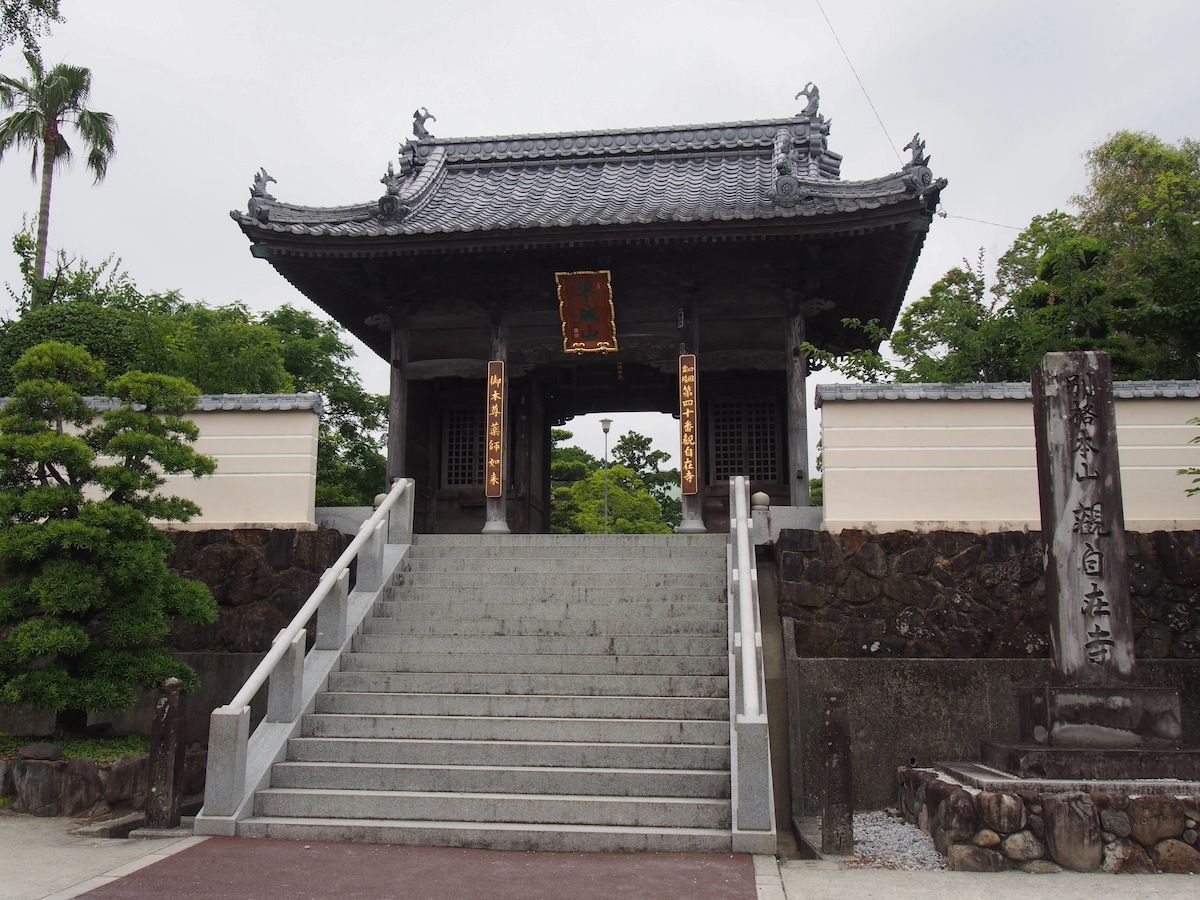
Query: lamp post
[[606, 424]]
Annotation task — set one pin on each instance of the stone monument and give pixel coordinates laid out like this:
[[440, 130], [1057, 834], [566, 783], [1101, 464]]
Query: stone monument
[[1092, 721]]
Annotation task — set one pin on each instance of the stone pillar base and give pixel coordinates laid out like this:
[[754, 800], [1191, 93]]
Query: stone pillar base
[[691, 526], [1101, 717]]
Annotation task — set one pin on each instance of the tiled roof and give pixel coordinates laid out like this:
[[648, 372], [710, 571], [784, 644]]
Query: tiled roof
[[1002, 390], [228, 402], [723, 173]]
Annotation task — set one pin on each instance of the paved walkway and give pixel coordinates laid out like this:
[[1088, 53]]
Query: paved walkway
[[40, 859]]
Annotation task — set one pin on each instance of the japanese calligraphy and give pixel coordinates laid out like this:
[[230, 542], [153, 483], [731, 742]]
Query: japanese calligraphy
[[494, 487], [585, 306], [688, 456]]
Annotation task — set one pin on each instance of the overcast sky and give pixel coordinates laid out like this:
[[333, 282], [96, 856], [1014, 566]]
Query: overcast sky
[[1008, 96]]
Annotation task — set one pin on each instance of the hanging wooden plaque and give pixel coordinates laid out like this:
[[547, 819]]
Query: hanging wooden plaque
[[585, 305], [493, 476], [689, 475]]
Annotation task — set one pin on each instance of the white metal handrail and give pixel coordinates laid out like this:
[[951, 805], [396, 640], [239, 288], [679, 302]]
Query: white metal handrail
[[279, 647], [747, 590]]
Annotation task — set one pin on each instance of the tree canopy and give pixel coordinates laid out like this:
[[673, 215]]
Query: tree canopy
[[42, 105], [88, 594], [1121, 275], [24, 21]]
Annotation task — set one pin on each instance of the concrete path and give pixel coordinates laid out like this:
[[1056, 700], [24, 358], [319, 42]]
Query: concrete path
[[39, 858]]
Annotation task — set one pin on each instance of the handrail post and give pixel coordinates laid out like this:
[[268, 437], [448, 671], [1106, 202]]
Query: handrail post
[[333, 613], [225, 775], [400, 517], [285, 687], [370, 560]]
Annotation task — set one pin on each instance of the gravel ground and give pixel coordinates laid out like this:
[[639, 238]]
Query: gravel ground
[[883, 840]]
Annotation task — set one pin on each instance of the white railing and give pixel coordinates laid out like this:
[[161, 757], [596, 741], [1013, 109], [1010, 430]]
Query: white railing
[[282, 668], [752, 792]]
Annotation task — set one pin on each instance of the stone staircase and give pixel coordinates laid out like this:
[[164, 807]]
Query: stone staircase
[[534, 692]]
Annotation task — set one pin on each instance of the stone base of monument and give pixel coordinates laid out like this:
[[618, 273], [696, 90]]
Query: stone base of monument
[[1100, 717], [1088, 763]]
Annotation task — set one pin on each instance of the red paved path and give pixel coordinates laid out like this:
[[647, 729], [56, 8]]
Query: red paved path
[[247, 868]]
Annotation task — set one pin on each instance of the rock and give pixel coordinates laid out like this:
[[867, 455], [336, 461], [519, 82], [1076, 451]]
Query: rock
[[923, 819], [985, 837], [957, 820], [1023, 846], [48, 752], [1004, 813], [1036, 824], [969, 858], [1190, 835], [1153, 818], [1107, 836], [1126, 857], [6, 785], [1073, 831], [915, 561], [1175, 857], [1115, 821], [81, 787], [1189, 823], [127, 781], [1040, 867], [195, 762], [38, 786], [870, 559], [1154, 642]]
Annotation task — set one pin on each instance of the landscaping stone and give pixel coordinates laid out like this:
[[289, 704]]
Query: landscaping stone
[[985, 837], [126, 783], [1022, 847], [1153, 818], [1174, 857], [1116, 821], [6, 785], [969, 858], [957, 820], [42, 751], [38, 787], [81, 787], [1126, 857], [1073, 831], [1040, 867], [1190, 835], [1036, 824], [1004, 813]]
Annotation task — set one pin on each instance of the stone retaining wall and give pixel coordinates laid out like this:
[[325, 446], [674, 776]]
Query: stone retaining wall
[[959, 595], [982, 831]]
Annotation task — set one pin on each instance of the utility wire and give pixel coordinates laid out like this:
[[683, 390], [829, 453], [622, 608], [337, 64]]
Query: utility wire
[[981, 221], [870, 102]]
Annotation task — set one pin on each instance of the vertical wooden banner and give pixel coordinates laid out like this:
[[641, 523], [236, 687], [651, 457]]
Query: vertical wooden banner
[[493, 476], [689, 476]]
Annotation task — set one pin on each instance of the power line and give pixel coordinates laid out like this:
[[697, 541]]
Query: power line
[[870, 102], [981, 221]]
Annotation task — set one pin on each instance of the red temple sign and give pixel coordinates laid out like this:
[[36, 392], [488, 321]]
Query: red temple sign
[[585, 305], [689, 477], [493, 474]]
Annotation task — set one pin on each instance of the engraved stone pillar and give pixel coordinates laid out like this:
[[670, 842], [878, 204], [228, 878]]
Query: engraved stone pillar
[[797, 409], [837, 793], [166, 758], [1083, 525], [397, 404]]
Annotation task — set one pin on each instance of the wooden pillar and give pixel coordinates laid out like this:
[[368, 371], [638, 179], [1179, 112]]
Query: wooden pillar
[[521, 453], [496, 515], [693, 504], [797, 408], [397, 404]]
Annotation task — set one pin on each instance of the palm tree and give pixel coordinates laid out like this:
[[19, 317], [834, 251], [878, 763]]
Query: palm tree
[[45, 103]]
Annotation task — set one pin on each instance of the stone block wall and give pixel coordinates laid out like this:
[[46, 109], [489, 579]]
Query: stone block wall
[[984, 831], [959, 595]]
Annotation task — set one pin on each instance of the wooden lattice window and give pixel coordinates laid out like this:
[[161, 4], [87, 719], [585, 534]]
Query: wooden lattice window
[[745, 440], [463, 447]]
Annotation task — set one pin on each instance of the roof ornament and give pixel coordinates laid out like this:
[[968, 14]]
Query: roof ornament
[[258, 193], [420, 117], [390, 204], [813, 94], [787, 186], [917, 174]]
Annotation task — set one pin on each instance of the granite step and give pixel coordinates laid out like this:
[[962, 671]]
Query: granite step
[[486, 592], [526, 728], [535, 663], [563, 580], [511, 705], [373, 641], [416, 623], [501, 565], [509, 683]]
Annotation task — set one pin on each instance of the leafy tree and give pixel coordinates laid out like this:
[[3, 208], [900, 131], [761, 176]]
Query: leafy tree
[[24, 21], [632, 509], [45, 103], [1195, 489], [635, 452], [84, 610], [1122, 276]]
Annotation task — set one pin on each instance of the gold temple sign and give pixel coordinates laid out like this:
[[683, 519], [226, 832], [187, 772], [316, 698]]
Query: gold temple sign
[[585, 305], [689, 477], [493, 474]]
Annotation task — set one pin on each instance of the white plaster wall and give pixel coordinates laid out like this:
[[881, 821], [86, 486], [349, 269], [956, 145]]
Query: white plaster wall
[[970, 464], [266, 470]]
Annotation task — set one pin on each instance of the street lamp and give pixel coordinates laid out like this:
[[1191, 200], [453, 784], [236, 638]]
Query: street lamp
[[606, 424]]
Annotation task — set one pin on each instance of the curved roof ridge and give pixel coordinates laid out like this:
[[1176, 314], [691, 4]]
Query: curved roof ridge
[[992, 390]]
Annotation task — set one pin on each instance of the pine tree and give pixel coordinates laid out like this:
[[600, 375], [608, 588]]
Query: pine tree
[[85, 606]]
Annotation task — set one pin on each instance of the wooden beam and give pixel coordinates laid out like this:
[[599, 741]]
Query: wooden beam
[[397, 402]]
